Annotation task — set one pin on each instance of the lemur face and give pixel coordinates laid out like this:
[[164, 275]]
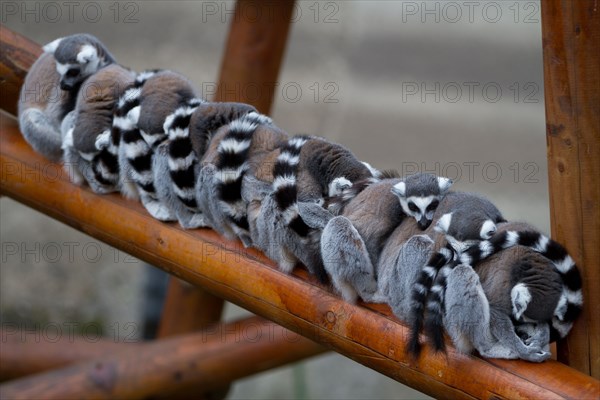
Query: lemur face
[[420, 195], [74, 61]]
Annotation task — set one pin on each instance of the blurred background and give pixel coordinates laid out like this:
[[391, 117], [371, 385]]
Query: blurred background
[[453, 88]]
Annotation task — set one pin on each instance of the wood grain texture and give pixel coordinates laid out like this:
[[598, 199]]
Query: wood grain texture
[[187, 363], [571, 44], [366, 334], [256, 42]]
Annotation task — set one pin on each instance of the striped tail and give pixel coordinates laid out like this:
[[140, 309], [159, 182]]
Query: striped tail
[[438, 265], [137, 151], [232, 164], [285, 185], [182, 159], [106, 163], [571, 300]]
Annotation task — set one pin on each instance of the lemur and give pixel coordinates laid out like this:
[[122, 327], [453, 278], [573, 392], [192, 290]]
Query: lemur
[[530, 291], [51, 86], [473, 218], [231, 153], [401, 262], [305, 169], [159, 94], [176, 161], [92, 117], [351, 243]]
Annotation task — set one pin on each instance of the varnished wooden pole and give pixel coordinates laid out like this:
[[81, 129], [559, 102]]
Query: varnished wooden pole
[[571, 42], [188, 364], [254, 52]]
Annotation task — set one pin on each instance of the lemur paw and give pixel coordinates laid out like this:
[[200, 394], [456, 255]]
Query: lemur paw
[[338, 185]]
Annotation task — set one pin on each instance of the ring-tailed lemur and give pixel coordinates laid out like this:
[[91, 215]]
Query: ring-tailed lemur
[[159, 95], [351, 243], [473, 218], [92, 117], [564, 311], [231, 153], [51, 86], [176, 161]]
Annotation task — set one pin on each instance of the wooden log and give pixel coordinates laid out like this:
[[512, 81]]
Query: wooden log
[[207, 359], [254, 52], [29, 352], [17, 54], [571, 41], [368, 335]]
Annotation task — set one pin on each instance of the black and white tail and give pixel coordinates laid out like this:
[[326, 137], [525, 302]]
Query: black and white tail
[[285, 189], [571, 300], [182, 159], [106, 163], [232, 164], [438, 266]]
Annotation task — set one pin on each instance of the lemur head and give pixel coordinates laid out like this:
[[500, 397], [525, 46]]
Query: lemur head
[[474, 219], [420, 195], [77, 57]]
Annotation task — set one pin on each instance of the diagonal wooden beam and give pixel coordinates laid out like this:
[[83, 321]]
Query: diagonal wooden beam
[[571, 42]]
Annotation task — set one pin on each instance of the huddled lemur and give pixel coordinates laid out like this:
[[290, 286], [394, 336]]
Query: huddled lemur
[[551, 293], [91, 118], [351, 242], [177, 160], [50, 89], [305, 169], [159, 94]]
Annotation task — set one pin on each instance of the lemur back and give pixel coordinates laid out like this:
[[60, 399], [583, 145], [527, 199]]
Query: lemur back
[[51, 87], [93, 117]]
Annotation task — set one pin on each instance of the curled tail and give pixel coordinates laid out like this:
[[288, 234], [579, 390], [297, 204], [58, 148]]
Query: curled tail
[[571, 300], [436, 269], [182, 159], [232, 164]]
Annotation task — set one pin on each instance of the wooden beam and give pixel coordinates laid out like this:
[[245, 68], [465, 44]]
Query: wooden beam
[[571, 42], [254, 52], [207, 359], [368, 335]]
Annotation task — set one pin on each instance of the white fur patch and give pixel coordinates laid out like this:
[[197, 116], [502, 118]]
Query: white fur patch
[[487, 229], [52, 46], [123, 123], [541, 244], [136, 149], [338, 185], [87, 156], [399, 189], [144, 76], [285, 180], [565, 265], [134, 114], [230, 175], [258, 118], [234, 146], [87, 53], [444, 223], [130, 95], [430, 271], [422, 202], [444, 184], [574, 297], [297, 142], [103, 140], [151, 139], [288, 158], [485, 248], [420, 288], [63, 68], [188, 193], [178, 164], [68, 140], [242, 125], [375, 172], [512, 238], [520, 297]]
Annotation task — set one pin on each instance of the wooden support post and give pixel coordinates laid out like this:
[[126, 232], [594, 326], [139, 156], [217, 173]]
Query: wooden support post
[[208, 360], [254, 52], [571, 41]]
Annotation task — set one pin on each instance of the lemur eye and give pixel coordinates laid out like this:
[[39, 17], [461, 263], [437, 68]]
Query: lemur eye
[[412, 207], [72, 73], [433, 205]]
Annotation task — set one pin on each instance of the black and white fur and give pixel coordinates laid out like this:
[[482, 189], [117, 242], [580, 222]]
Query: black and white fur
[[51, 86]]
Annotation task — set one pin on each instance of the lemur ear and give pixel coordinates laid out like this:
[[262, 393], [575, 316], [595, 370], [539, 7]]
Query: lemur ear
[[86, 54], [443, 223], [399, 189], [52, 46], [487, 229], [444, 184]]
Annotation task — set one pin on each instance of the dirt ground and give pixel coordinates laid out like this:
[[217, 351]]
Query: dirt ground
[[454, 88]]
